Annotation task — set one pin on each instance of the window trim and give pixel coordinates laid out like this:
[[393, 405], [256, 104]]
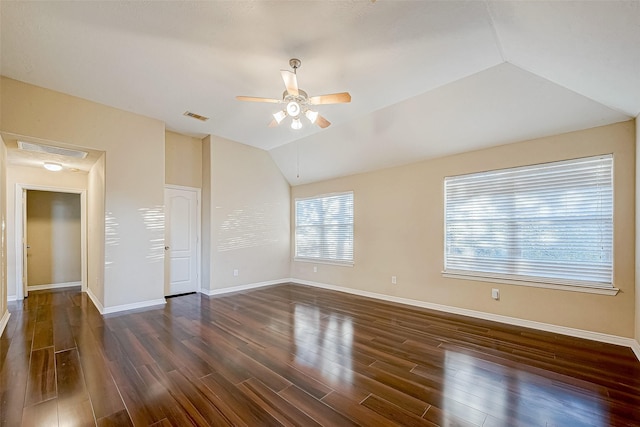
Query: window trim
[[530, 281], [464, 275], [345, 263]]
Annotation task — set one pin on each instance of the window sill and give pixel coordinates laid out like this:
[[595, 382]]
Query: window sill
[[571, 288], [325, 261]]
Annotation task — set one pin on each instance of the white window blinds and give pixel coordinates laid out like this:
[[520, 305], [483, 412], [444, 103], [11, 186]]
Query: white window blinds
[[550, 223], [324, 228]]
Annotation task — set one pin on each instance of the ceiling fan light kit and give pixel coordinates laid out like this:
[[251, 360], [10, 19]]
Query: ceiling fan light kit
[[297, 102]]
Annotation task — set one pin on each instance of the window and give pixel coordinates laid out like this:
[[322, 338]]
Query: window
[[549, 223], [324, 228]]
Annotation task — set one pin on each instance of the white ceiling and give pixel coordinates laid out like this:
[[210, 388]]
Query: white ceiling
[[428, 78]]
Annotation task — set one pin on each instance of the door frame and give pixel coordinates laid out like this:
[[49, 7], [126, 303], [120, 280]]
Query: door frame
[[198, 192], [20, 216]]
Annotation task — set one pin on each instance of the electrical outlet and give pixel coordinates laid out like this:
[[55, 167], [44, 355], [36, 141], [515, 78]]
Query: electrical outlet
[[495, 294], [315, 268], [235, 272], [393, 280]]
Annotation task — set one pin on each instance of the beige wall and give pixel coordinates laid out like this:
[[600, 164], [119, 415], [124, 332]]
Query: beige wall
[[53, 236], [248, 215], [134, 179], [31, 176], [399, 231], [3, 233], [183, 160]]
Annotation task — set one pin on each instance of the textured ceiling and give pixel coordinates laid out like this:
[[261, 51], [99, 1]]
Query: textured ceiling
[[428, 78]]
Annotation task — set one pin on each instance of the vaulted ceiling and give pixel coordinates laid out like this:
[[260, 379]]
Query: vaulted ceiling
[[427, 78]]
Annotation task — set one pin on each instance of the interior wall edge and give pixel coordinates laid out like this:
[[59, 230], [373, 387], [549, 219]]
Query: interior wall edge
[[4, 321], [96, 302], [123, 307], [637, 236], [547, 327], [635, 346]]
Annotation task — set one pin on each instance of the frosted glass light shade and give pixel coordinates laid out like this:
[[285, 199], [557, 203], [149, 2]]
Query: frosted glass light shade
[[296, 124], [53, 167], [279, 116], [293, 109], [311, 115]]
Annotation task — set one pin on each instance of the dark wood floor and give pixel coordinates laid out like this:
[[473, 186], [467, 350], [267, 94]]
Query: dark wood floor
[[296, 355]]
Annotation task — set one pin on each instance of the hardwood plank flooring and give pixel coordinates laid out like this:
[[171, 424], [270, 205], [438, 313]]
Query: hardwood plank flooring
[[292, 355]]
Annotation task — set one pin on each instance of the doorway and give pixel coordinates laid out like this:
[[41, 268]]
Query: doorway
[[51, 244], [182, 240], [53, 240]]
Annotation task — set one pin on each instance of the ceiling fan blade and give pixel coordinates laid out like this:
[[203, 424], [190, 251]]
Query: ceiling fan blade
[[333, 98], [290, 81], [274, 123], [322, 122], [256, 99]]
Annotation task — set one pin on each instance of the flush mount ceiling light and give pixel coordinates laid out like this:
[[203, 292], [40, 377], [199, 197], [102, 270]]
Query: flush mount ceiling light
[[53, 167], [297, 102]]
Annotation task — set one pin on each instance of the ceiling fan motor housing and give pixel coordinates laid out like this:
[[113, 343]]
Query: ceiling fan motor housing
[[295, 63]]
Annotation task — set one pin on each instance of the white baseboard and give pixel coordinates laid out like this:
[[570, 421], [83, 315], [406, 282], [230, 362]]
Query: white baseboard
[[563, 330], [12, 298], [635, 346], [133, 306], [230, 289], [96, 302], [123, 307], [4, 321], [53, 286]]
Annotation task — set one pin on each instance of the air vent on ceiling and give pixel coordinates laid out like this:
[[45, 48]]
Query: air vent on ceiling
[[196, 116], [48, 149]]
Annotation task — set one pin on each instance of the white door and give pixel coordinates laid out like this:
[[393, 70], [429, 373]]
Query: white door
[[181, 240]]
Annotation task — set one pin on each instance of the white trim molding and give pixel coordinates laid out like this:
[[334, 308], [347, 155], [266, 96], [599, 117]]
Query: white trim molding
[[563, 287], [231, 289], [133, 306], [635, 346], [11, 298], [123, 307], [563, 330], [4, 321], [20, 218], [53, 286], [96, 302]]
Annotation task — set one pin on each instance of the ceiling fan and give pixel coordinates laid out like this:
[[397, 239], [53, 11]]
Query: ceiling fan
[[297, 102]]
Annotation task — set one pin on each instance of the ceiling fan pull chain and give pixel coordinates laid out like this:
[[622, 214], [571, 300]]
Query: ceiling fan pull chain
[[298, 159]]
